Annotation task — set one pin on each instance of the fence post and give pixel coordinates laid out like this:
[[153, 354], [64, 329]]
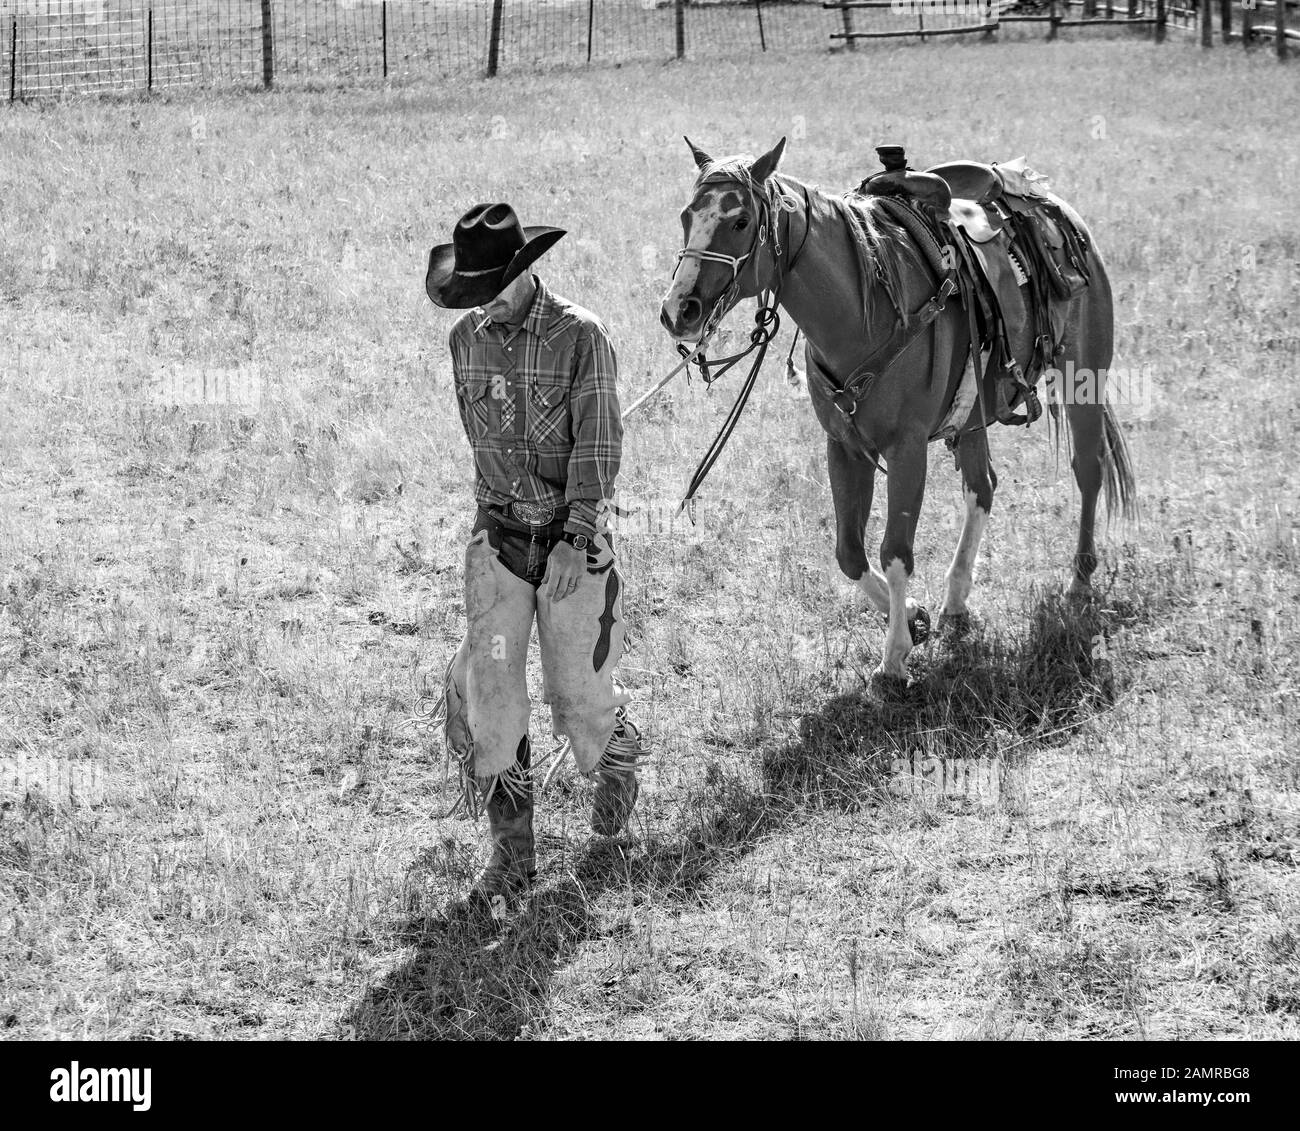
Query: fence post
[[762, 39], [1132, 9], [1225, 19], [148, 52], [591, 19], [846, 16], [679, 27], [1247, 22], [268, 47], [1205, 17], [1053, 19], [13, 59], [383, 32], [1280, 6], [1161, 17], [494, 39], [1089, 9]]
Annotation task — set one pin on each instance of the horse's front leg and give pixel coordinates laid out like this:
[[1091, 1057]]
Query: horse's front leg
[[853, 483], [907, 465]]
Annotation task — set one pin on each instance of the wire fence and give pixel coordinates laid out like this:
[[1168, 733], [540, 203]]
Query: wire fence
[[55, 47], [61, 47]]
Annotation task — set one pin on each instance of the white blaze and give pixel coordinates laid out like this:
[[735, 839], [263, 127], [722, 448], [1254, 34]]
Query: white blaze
[[707, 215]]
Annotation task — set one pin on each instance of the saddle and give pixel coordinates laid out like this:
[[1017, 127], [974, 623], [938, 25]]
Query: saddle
[[1012, 249]]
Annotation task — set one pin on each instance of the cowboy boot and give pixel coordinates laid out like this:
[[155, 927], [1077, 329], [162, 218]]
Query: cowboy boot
[[616, 784], [512, 868]]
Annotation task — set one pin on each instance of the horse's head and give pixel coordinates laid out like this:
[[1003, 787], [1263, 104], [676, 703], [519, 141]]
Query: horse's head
[[731, 230]]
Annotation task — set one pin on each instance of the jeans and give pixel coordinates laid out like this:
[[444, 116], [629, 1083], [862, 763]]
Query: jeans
[[522, 554]]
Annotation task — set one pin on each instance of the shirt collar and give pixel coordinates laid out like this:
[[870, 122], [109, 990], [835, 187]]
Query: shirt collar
[[539, 319]]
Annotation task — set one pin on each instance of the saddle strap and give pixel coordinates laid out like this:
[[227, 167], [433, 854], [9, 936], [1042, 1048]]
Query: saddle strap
[[1001, 355], [859, 382], [970, 295]]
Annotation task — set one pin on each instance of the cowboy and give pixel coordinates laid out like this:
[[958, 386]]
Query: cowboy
[[535, 385]]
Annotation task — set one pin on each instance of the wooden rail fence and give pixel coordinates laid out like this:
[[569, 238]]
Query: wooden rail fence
[[53, 47]]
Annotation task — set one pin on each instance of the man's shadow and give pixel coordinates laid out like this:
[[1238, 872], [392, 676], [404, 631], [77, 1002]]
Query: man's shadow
[[474, 977]]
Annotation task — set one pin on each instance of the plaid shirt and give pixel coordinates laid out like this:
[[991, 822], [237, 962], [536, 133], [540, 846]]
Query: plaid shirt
[[540, 408]]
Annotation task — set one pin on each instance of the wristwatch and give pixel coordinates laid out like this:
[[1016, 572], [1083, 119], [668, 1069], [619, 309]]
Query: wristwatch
[[577, 541]]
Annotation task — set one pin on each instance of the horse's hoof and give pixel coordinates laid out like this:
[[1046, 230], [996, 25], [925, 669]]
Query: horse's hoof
[[888, 689], [958, 626], [919, 626]]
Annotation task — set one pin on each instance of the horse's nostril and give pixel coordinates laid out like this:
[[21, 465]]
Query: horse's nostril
[[680, 317]]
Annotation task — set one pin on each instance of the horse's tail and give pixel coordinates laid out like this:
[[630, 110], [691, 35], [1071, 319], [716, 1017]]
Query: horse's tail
[[1118, 480], [1119, 483]]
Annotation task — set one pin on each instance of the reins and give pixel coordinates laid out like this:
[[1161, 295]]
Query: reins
[[767, 321]]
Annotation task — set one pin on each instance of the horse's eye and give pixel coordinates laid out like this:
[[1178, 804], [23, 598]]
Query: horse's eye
[[741, 224]]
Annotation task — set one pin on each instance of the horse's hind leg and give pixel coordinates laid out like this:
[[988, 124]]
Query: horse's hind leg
[[978, 484], [1092, 345], [1087, 460]]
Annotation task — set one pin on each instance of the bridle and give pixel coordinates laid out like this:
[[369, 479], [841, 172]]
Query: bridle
[[767, 202]]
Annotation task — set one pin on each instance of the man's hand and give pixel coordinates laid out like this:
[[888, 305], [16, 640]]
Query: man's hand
[[565, 568]]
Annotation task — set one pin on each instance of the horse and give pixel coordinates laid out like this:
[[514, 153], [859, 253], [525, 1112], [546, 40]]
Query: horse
[[849, 278]]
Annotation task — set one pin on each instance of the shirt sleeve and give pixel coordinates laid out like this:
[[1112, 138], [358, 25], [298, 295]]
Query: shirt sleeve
[[597, 432], [457, 374]]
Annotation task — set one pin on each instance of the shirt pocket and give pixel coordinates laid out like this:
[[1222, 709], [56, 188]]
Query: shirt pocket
[[548, 412], [478, 407]]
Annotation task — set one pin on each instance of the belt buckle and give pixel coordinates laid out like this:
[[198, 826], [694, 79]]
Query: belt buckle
[[534, 514]]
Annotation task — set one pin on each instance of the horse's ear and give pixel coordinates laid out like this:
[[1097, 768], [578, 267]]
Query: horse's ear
[[768, 164], [701, 158]]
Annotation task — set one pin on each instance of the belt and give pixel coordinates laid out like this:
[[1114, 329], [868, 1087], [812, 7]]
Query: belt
[[535, 519]]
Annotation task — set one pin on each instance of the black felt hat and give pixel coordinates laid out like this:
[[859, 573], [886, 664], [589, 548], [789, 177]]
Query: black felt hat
[[489, 249]]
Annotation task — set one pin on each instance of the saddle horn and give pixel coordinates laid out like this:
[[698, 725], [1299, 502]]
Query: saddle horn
[[898, 179]]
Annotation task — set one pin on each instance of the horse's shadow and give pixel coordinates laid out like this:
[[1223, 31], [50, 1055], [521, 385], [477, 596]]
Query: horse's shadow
[[984, 693], [473, 977]]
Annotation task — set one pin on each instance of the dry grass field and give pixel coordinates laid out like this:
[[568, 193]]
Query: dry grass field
[[220, 813]]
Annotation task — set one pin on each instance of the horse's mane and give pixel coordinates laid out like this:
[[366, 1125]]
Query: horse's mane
[[738, 167], [879, 244]]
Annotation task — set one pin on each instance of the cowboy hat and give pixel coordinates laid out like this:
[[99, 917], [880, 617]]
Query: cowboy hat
[[489, 250]]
